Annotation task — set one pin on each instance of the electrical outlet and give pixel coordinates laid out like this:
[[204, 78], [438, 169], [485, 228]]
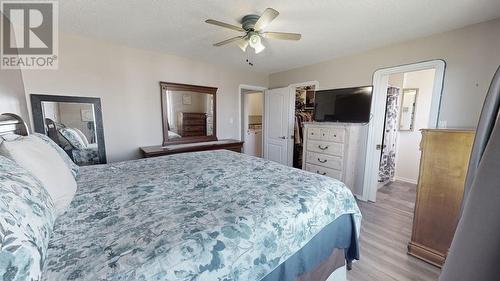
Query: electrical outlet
[[442, 124]]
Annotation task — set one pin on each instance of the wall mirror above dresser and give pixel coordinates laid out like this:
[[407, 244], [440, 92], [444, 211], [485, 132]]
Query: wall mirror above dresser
[[407, 112], [189, 113], [74, 123]]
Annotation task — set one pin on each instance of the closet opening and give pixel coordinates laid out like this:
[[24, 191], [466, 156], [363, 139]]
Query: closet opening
[[304, 110], [252, 107]]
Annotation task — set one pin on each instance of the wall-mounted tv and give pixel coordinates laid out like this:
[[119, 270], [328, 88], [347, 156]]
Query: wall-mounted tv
[[349, 105]]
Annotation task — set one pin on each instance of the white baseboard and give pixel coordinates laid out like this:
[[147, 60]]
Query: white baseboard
[[406, 180]]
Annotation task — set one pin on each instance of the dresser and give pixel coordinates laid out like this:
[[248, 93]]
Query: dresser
[[443, 167], [158, 150], [192, 124], [336, 150]]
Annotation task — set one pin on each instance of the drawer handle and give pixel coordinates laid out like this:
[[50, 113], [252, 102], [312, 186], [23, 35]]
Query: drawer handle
[[334, 136], [322, 161], [322, 147], [323, 174]]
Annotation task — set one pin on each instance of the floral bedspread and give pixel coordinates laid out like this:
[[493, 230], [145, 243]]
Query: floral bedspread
[[215, 215]]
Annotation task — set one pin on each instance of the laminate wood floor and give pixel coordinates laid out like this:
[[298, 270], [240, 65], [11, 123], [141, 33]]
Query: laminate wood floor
[[385, 232]]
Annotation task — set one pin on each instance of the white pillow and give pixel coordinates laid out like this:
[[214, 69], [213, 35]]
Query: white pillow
[[82, 136], [41, 160]]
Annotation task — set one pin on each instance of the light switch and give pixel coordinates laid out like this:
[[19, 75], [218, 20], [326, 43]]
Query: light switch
[[442, 124]]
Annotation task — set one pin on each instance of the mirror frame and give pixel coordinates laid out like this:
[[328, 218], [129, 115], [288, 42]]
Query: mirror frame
[[39, 124], [413, 114], [168, 86]]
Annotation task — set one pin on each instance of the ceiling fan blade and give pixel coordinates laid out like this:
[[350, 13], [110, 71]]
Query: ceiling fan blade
[[230, 40], [282, 35], [225, 25], [267, 17], [243, 44]]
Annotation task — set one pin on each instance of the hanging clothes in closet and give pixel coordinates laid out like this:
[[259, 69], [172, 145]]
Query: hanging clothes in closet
[[387, 167], [300, 118]]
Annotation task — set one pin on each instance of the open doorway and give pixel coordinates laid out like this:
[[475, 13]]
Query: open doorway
[[409, 96], [405, 100], [304, 109], [252, 110]]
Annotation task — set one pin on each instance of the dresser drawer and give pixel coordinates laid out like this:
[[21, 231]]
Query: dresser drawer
[[327, 161], [331, 148], [324, 171], [326, 134], [194, 122], [194, 128]]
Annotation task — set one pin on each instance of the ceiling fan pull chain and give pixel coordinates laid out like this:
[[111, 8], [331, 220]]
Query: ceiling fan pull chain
[[249, 58]]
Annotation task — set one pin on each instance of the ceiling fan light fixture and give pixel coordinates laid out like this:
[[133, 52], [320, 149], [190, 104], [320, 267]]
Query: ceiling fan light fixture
[[243, 44], [254, 40], [259, 47], [253, 26]]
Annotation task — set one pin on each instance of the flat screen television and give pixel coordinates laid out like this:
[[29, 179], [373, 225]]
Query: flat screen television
[[349, 105]]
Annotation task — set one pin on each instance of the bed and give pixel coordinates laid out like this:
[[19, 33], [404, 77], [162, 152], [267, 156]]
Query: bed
[[212, 215]]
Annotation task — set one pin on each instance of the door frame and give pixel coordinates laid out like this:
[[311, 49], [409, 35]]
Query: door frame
[[375, 127], [291, 121], [240, 110]]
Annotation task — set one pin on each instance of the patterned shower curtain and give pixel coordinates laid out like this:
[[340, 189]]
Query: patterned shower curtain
[[388, 154]]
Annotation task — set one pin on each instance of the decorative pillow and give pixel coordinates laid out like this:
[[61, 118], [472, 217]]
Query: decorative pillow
[[26, 221], [41, 160], [82, 136], [72, 137], [71, 165]]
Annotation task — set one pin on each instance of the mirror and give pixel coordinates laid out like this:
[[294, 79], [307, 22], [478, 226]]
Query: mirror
[[74, 123], [407, 111], [189, 113]]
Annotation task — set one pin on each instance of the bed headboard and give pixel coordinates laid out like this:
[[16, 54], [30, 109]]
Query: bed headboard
[[12, 123]]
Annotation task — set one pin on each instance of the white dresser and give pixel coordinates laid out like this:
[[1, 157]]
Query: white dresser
[[336, 150]]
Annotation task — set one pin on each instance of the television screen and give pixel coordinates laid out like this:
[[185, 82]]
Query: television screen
[[349, 105]]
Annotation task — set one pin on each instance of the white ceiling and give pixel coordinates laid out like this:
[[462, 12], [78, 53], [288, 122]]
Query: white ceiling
[[330, 28]]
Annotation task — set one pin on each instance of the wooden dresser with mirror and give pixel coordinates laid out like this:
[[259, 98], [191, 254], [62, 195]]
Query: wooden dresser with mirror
[[189, 115]]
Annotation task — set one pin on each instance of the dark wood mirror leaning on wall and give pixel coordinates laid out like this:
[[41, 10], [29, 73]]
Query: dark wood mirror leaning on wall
[[188, 113], [74, 123]]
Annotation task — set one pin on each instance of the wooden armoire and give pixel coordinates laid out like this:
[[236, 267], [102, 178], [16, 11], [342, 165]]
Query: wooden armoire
[[443, 167]]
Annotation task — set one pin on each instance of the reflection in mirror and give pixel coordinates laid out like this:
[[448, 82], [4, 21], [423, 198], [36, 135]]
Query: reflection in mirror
[[407, 112], [74, 124], [189, 113]]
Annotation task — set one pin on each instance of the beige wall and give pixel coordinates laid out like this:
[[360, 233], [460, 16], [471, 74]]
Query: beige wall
[[126, 80], [408, 142], [70, 115], [472, 55], [12, 98], [255, 103]]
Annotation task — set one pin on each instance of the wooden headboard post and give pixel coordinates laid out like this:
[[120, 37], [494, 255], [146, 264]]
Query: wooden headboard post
[[11, 123]]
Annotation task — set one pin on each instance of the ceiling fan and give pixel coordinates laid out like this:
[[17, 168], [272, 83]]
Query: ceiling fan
[[253, 26]]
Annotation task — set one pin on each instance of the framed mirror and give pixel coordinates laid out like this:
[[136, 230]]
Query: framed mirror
[[407, 111], [188, 113], [74, 123]]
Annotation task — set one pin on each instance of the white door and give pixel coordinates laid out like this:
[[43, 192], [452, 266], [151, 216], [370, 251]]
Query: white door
[[276, 126]]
